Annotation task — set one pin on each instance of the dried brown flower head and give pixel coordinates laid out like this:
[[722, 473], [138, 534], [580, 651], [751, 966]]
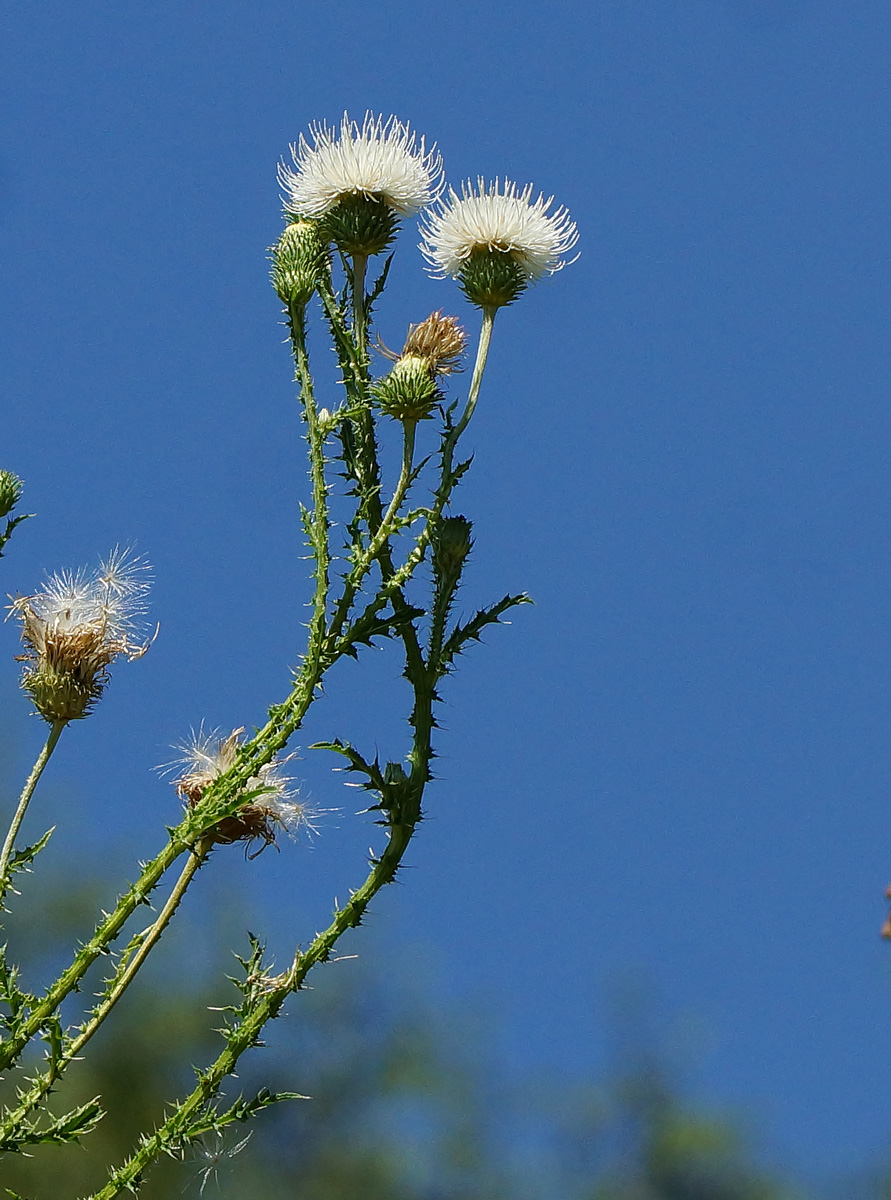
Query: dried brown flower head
[[206, 756], [439, 341]]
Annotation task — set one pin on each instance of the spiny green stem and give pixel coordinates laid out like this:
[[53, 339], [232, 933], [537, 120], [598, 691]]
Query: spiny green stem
[[24, 800], [409, 429], [128, 969], [126, 973], [170, 1135], [317, 470], [103, 936], [397, 579], [360, 315], [360, 570], [222, 798]]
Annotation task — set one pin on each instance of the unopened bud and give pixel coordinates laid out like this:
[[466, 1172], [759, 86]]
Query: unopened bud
[[452, 542], [409, 392], [299, 261], [10, 492]]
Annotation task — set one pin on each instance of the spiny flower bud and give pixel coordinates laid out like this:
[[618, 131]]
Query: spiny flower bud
[[299, 261], [10, 492], [452, 542], [74, 629], [206, 756], [409, 392]]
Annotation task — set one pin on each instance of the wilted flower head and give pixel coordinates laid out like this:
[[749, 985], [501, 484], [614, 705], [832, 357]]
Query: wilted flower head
[[496, 239], [75, 627], [439, 340], [208, 754], [361, 180], [432, 348]]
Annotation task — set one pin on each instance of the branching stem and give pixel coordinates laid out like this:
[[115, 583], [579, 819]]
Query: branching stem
[[24, 800], [333, 633], [117, 985]]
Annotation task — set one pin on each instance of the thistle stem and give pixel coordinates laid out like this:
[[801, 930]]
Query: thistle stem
[[394, 580], [25, 799], [129, 968], [482, 354], [354, 580], [409, 428], [360, 317], [318, 530]]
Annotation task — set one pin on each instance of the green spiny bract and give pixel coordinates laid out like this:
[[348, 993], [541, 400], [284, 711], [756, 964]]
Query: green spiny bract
[[361, 225], [492, 278], [409, 392]]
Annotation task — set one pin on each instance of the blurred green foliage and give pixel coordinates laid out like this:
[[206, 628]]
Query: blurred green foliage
[[406, 1104]]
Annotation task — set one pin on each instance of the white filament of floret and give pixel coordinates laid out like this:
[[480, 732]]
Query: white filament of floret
[[382, 160], [497, 217]]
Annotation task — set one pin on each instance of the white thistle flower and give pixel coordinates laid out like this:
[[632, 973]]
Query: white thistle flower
[[206, 755], [382, 160], [75, 627], [498, 217]]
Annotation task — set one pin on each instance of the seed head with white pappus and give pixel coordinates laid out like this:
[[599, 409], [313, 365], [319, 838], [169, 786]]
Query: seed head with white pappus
[[74, 629], [495, 240], [206, 755], [361, 180]]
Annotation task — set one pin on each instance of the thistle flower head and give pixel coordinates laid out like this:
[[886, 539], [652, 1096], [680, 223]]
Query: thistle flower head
[[381, 161], [206, 755], [496, 239], [74, 629]]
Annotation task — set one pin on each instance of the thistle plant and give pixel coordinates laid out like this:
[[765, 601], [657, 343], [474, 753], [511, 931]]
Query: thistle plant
[[388, 557]]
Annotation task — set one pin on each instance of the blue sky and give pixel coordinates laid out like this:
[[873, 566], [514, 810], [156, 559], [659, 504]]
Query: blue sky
[[676, 764]]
